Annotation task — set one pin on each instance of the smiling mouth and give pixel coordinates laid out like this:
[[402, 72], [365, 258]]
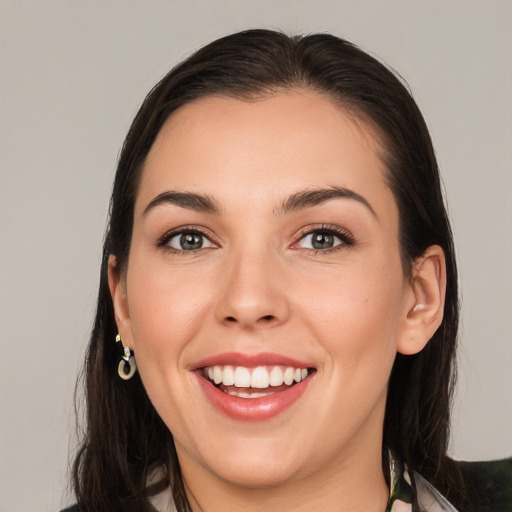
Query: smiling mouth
[[254, 382]]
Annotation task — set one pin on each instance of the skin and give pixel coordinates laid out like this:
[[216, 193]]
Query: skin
[[257, 286]]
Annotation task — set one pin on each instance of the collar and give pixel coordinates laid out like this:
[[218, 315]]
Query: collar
[[411, 492]]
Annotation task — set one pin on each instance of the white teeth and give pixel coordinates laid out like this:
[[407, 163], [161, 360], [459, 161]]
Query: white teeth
[[242, 377], [217, 374], [288, 376], [276, 376], [260, 377], [228, 378]]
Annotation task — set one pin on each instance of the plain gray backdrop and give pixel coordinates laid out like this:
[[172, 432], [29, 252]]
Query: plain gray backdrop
[[73, 74]]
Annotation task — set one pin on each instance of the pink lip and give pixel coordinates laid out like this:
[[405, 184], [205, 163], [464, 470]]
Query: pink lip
[[253, 409], [250, 360]]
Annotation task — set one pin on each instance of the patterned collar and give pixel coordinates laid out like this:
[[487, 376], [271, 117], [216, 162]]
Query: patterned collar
[[412, 493]]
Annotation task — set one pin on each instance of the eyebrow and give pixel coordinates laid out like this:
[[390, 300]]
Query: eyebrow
[[189, 200], [297, 201], [307, 198]]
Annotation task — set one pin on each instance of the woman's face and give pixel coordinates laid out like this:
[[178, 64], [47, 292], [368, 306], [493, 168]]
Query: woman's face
[[265, 250]]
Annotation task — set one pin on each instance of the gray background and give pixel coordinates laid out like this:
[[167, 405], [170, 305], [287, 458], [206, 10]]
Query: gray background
[[73, 74]]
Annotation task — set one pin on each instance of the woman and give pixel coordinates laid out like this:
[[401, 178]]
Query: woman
[[280, 264]]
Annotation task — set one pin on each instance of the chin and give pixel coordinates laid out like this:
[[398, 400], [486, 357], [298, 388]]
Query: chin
[[256, 474], [249, 463]]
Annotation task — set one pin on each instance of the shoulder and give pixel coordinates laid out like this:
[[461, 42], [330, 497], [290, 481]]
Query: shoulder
[[488, 485], [73, 508], [487, 488]]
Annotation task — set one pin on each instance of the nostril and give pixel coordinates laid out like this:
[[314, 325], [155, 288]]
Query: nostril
[[266, 318], [262, 320]]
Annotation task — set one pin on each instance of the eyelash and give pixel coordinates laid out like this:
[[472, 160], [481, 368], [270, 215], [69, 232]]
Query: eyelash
[[163, 241], [346, 238]]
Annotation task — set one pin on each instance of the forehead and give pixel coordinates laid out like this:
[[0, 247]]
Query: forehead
[[264, 147]]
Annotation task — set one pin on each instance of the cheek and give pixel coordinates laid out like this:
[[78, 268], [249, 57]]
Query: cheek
[[165, 315], [164, 319], [356, 313]]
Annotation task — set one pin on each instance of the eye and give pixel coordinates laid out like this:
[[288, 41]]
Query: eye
[[188, 241], [325, 239], [319, 240]]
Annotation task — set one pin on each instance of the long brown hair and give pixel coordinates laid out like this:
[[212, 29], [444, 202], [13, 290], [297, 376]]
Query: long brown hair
[[125, 438]]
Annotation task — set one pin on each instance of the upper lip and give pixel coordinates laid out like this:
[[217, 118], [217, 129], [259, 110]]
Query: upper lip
[[250, 360]]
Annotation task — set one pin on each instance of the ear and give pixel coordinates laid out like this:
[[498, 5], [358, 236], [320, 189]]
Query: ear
[[425, 302], [117, 285]]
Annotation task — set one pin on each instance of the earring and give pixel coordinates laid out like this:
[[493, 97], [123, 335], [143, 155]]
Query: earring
[[127, 366]]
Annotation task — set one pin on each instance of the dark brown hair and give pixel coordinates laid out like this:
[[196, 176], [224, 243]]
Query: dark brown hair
[[124, 435]]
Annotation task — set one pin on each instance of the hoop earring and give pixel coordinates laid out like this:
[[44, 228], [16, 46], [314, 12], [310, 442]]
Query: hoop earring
[[127, 366]]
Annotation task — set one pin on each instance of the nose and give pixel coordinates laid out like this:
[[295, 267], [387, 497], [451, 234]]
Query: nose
[[253, 295]]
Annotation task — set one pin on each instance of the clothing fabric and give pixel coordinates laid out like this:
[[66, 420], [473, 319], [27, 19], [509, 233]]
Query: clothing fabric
[[488, 488], [404, 488]]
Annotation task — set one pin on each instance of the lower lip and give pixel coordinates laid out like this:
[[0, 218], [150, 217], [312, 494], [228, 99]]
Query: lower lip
[[253, 409]]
